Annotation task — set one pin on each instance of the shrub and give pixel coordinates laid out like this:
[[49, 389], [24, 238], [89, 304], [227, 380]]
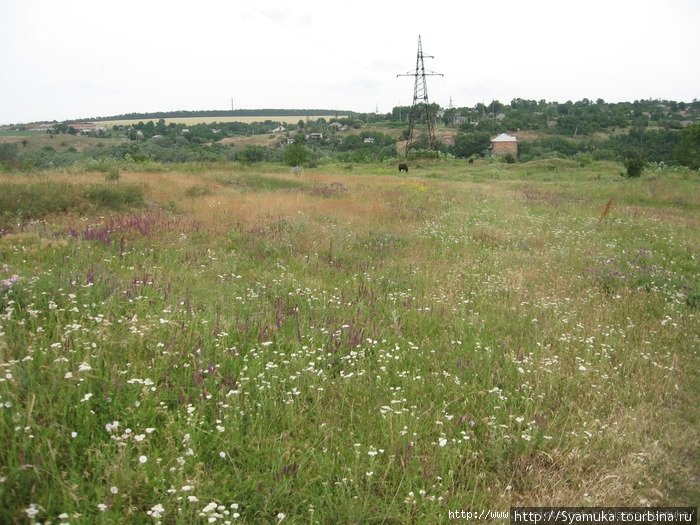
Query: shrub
[[252, 154], [634, 164], [296, 154], [8, 152], [584, 159], [508, 158], [112, 175]]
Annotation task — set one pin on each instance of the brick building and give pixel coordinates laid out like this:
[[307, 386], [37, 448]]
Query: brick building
[[504, 144]]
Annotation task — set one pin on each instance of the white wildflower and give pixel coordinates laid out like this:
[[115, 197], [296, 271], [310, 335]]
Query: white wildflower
[[210, 507], [156, 511]]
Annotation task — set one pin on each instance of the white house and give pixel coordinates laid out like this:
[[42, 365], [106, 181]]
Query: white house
[[278, 129]]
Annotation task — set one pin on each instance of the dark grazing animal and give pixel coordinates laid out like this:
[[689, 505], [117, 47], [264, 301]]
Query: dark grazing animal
[[403, 167], [471, 161]]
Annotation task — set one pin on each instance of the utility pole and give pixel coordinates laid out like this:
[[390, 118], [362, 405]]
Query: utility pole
[[420, 96], [232, 104]]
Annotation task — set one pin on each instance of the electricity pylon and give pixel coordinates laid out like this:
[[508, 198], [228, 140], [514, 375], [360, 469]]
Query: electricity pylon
[[420, 96]]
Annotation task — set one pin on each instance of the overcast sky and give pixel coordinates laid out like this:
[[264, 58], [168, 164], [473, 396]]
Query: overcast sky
[[84, 58]]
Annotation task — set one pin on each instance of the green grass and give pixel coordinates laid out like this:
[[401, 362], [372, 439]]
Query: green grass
[[35, 200], [255, 182], [464, 337]]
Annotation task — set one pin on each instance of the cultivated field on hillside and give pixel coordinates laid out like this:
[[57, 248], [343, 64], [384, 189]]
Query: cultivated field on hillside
[[191, 121], [244, 344]]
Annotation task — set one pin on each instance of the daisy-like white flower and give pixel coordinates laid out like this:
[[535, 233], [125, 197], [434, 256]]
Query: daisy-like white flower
[[114, 490], [143, 459]]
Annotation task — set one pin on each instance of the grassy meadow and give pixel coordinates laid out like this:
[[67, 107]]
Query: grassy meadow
[[243, 344]]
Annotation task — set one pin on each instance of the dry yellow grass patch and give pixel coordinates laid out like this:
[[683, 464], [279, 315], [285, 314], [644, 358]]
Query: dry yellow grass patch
[[254, 140], [229, 207]]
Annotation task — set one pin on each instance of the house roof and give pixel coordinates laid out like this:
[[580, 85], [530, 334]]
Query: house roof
[[504, 137]]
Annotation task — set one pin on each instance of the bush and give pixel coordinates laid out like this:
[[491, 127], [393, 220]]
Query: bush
[[508, 158], [584, 159], [252, 154], [634, 164], [296, 154], [8, 152]]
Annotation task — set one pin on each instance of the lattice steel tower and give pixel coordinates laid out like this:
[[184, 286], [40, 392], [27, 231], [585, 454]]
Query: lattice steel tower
[[420, 97]]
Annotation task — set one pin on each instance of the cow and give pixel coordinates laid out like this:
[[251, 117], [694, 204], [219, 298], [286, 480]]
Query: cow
[[471, 161], [403, 167]]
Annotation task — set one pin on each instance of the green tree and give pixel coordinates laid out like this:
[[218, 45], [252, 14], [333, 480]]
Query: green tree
[[688, 151], [634, 164], [252, 153], [468, 144], [296, 154]]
